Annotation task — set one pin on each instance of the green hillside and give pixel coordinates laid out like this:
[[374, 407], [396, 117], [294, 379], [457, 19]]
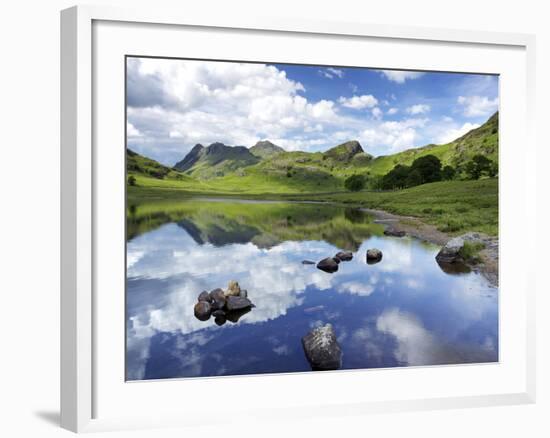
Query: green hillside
[[266, 168], [482, 140]]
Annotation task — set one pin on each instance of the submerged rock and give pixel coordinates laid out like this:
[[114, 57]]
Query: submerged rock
[[204, 296], [220, 320], [202, 310], [307, 262], [344, 256], [374, 255], [233, 289], [322, 349], [394, 232], [329, 265], [237, 303]]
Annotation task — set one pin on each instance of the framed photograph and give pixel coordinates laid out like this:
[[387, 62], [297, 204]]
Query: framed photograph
[[267, 208]]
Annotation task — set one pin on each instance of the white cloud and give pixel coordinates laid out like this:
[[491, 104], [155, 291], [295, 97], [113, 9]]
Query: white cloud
[[377, 113], [392, 111], [330, 73], [395, 135], [475, 106], [418, 109], [401, 76], [359, 102], [453, 133], [131, 130]]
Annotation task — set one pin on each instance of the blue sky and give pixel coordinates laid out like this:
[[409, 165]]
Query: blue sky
[[174, 104]]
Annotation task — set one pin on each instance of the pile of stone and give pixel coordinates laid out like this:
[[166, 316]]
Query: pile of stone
[[393, 232], [228, 305], [330, 264]]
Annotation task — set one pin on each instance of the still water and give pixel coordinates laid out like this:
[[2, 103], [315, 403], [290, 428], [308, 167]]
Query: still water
[[402, 311]]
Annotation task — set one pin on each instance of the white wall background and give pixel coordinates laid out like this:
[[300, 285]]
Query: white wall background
[[29, 215]]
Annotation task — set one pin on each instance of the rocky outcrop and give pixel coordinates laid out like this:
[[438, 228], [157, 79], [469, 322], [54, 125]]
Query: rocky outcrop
[[374, 255], [453, 250], [322, 349]]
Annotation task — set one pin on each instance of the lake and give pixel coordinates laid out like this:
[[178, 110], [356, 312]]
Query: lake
[[403, 311]]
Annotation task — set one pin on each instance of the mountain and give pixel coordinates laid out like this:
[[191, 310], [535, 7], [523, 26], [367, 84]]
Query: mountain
[[138, 164], [265, 149], [266, 168], [345, 151], [190, 159], [482, 140], [215, 160]]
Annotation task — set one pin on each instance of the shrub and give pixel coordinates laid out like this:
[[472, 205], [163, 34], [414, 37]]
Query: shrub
[[131, 180], [355, 183], [470, 251]]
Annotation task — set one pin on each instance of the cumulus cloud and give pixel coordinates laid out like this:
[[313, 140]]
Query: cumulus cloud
[[475, 106], [358, 102], [377, 113], [131, 130], [392, 111], [176, 104], [418, 109], [401, 76], [396, 135], [453, 133]]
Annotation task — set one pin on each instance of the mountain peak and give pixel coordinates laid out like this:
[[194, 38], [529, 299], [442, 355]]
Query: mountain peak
[[345, 151], [265, 149]]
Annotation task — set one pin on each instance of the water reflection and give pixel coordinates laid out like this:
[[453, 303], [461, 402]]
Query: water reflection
[[402, 311]]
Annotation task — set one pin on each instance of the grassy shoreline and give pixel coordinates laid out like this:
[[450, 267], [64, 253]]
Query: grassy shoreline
[[453, 207]]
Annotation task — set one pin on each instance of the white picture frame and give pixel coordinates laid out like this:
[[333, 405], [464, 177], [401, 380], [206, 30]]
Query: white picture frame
[[84, 318]]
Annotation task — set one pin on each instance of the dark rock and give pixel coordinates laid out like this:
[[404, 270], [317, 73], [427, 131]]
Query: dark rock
[[218, 299], [220, 320], [394, 232], [204, 296], [374, 255], [217, 313], [344, 256], [202, 310], [329, 265], [307, 262], [237, 303], [235, 315], [322, 349]]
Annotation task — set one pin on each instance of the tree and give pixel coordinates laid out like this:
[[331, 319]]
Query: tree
[[414, 178], [395, 178], [478, 165], [354, 183], [429, 168], [131, 180], [493, 171], [448, 173]]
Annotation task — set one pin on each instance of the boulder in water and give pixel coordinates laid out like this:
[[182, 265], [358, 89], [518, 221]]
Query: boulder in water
[[344, 256], [322, 349], [329, 265], [202, 310], [374, 255]]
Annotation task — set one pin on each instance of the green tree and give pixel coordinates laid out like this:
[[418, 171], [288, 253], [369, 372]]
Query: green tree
[[448, 173], [395, 178], [493, 170], [414, 178], [355, 183], [428, 167], [131, 180], [477, 166]]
